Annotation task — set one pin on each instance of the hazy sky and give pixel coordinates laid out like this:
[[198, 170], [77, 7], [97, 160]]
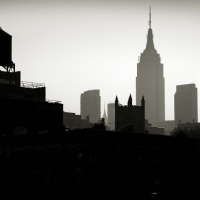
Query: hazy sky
[[73, 46]]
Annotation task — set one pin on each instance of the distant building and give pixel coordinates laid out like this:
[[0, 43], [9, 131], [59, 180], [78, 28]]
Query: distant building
[[91, 105], [105, 117], [150, 81], [185, 104], [153, 129], [101, 126], [111, 116], [168, 126], [130, 118], [23, 105], [189, 126], [71, 121]]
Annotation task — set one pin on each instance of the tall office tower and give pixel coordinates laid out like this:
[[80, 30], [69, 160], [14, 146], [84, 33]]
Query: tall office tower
[[185, 104], [150, 82], [91, 105]]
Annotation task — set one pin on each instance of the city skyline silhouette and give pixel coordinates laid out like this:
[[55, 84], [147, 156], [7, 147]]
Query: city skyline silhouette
[[50, 154], [77, 46]]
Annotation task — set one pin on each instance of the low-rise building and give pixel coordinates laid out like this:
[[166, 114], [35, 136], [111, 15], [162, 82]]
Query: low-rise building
[[72, 121]]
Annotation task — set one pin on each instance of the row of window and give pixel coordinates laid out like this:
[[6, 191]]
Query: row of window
[[42, 153]]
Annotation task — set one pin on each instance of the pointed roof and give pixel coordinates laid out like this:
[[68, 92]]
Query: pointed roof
[[4, 34], [150, 44], [130, 100], [116, 100], [104, 114], [143, 98], [150, 53]]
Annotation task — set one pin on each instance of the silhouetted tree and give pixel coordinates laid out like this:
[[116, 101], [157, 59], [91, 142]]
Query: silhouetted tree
[[186, 132], [177, 132]]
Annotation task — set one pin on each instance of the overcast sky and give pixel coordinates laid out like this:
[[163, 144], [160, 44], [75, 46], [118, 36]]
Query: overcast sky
[[73, 46]]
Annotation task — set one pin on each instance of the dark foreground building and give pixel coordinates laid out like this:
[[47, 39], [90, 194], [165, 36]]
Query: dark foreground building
[[89, 164], [24, 108], [130, 118], [72, 121], [23, 105]]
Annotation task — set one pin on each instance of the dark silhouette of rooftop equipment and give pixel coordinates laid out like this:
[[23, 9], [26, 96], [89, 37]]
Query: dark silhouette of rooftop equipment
[[6, 51]]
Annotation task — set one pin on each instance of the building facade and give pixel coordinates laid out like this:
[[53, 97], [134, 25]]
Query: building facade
[[111, 116], [72, 121], [130, 118], [185, 104], [23, 105], [150, 81], [90, 164], [91, 105], [168, 126]]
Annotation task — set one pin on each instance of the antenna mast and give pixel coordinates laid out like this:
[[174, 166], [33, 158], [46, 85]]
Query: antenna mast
[[150, 16]]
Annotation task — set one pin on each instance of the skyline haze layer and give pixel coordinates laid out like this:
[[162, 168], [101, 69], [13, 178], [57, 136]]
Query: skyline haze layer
[[75, 46]]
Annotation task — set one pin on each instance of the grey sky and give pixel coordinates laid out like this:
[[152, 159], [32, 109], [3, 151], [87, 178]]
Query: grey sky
[[73, 46]]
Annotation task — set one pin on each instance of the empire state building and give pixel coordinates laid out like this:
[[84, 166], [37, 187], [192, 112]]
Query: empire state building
[[150, 81]]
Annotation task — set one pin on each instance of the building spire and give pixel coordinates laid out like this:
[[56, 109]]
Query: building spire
[[150, 16], [150, 44], [130, 100]]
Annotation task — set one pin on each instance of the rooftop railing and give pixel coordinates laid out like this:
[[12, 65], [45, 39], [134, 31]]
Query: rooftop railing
[[53, 101], [32, 85], [11, 96]]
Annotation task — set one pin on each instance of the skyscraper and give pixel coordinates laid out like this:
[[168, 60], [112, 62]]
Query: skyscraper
[[185, 104], [91, 105], [150, 81]]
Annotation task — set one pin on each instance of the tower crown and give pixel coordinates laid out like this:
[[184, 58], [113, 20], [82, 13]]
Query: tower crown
[[150, 44]]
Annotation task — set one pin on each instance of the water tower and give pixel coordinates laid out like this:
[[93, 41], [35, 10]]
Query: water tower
[[6, 51]]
